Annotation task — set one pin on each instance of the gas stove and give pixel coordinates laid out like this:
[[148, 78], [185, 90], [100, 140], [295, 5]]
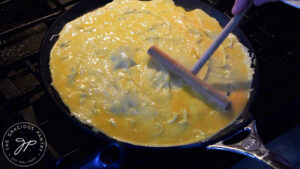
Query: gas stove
[[273, 30]]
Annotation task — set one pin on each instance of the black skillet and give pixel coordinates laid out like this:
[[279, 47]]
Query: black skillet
[[250, 146]]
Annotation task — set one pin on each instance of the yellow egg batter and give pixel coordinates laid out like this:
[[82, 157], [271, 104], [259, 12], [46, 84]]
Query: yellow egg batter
[[101, 70]]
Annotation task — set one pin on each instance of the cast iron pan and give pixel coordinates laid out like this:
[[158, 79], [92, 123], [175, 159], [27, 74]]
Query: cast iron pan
[[251, 145]]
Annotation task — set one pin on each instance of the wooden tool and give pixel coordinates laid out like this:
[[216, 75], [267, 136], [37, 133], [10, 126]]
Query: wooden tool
[[217, 42], [207, 92]]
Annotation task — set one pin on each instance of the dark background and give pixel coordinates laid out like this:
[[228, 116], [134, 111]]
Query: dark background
[[273, 30]]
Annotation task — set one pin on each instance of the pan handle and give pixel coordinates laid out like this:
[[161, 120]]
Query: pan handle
[[253, 147]]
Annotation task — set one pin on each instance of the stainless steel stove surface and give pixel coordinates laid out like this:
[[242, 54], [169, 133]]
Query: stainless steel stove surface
[[273, 30]]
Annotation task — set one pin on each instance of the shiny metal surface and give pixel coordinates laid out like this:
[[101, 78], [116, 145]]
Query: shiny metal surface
[[295, 3], [253, 147]]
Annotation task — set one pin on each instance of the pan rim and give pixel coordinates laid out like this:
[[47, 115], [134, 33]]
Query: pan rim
[[238, 123]]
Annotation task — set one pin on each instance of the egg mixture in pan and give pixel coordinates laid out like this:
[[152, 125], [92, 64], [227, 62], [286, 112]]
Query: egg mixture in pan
[[102, 71]]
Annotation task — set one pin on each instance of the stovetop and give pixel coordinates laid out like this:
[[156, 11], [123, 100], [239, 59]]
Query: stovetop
[[273, 30]]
